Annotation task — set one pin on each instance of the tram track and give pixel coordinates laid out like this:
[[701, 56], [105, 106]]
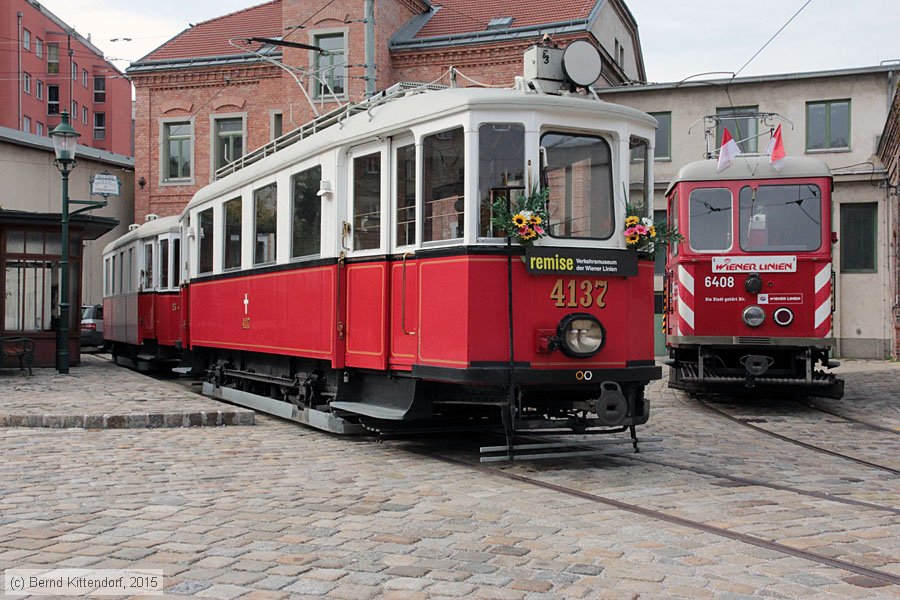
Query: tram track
[[874, 574], [795, 441], [870, 425], [749, 481]]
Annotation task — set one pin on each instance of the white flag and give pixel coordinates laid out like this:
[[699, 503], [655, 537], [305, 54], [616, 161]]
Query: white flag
[[727, 152]]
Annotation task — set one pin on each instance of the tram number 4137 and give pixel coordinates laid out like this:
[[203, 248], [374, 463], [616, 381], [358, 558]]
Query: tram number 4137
[[585, 293]]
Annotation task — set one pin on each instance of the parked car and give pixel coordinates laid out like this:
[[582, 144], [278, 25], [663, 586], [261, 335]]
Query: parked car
[[92, 325]]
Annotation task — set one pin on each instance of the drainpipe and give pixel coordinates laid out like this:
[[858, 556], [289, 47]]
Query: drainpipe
[[19, 16], [370, 47]]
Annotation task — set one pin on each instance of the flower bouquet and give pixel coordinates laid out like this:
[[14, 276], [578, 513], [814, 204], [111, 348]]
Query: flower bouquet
[[522, 219], [643, 235]]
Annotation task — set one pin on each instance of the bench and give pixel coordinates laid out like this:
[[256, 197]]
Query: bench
[[16, 347]]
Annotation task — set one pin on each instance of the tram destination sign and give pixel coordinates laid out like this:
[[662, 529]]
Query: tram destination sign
[[544, 260]]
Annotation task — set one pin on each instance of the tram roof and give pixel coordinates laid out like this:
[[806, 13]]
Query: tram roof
[[150, 228], [750, 166], [399, 115]]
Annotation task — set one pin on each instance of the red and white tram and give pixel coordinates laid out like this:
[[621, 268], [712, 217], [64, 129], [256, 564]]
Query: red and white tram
[[142, 317], [750, 288], [354, 277]]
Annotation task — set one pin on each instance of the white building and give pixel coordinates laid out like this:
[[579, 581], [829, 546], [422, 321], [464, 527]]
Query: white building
[[836, 116]]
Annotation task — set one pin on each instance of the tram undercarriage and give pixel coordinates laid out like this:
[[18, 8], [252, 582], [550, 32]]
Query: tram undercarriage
[[795, 371], [355, 401]]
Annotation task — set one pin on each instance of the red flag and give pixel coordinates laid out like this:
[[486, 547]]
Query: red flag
[[775, 150], [727, 152]]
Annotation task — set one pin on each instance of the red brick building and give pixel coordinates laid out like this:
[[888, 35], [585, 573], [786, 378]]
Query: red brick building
[[56, 69], [207, 96]]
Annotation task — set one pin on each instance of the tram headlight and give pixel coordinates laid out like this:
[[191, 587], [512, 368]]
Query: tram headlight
[[753, 316], [783, 316], [580, 335]]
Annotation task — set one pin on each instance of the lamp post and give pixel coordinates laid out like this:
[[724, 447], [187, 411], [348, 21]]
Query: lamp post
[[64, 139]]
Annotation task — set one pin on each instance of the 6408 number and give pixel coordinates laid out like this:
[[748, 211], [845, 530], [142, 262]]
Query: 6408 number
[[722, 281]]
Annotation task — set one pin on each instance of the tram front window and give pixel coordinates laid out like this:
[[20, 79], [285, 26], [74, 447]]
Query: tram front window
[[781, 218], [501, 164], [710, 219], [579, 175]]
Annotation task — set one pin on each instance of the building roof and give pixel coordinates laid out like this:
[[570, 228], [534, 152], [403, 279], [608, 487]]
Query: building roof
[[454, 17], [210, 38], [42, 142]]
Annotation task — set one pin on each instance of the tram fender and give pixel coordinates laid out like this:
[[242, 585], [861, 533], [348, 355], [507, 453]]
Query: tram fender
[[381, 397]]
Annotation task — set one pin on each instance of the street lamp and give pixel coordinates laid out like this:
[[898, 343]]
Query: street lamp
[[64, 139]]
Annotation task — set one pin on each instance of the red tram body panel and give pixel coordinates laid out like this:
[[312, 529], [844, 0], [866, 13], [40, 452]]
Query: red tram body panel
[[749, 290]]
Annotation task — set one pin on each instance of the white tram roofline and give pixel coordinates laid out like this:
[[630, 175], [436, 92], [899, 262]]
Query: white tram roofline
[[148, 229], [398, 116]]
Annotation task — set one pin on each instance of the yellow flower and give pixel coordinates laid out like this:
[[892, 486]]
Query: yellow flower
[[631, 221], [519, 220], [652, 231], [535, 220], [632, 239], [530, 234]]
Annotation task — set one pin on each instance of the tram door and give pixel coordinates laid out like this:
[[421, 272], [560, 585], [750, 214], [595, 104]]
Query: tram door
[[404, 269], [364, 240]]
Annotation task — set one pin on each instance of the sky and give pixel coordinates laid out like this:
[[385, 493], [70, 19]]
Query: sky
[[679, 38]]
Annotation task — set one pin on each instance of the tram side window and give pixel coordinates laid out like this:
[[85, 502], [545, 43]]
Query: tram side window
[[232, 259], [579, 174], [106, 291], [176, 262], [784, 218], [129, 271], [147, 273], [673, 222], [306, 221], [266, 220], [112, 276], [501, 163], [164, 264], [205, 233], [406, 195], [443, 174], [710, 219], [367, 202]]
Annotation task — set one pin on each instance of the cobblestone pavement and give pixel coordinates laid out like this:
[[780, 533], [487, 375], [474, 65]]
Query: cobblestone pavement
[[100, 395], [278, 510]]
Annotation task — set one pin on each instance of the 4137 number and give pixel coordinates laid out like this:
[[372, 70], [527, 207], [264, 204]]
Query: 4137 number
[[571, 293]]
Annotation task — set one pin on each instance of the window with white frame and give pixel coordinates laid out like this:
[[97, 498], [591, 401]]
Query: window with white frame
[[26, 82], [828, 125], [84, 115], [330, 65], [228, 140], [26, 124], [74, 111], [26, 39], [99, 126], [265, 224], [205, 243], [52, 58], [164, 282], [38, 128], [99, 88], [39, 89], [39, 47], [147, 271], [177, 150], [74, 71], [52, 99], [233, 226], [443, 169], [84, 78], [277, 125], [306, 217]]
